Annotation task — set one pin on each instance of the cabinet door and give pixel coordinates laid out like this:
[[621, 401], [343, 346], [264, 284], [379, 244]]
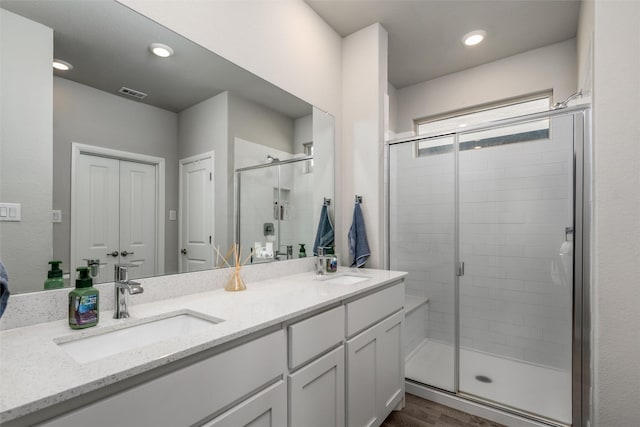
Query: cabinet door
[[375, 372], [361, 379], [316, 392], [390, 363], [266, 409]]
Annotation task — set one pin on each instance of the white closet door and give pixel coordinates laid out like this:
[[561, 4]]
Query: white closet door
[[97, 214], [138, 218], [196, 216]]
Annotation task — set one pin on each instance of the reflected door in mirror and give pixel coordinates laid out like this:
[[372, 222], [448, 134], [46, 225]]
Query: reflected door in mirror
[[115, 215], [196, 213]]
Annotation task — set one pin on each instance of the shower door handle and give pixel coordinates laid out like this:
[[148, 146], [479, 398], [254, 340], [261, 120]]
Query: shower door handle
[[460, 269]]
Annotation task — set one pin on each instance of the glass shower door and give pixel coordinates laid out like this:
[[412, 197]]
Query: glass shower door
[[259, 211], [515, 238], [422, 243]]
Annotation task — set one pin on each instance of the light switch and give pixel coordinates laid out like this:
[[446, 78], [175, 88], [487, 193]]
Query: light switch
[[56, 216], [10, 211], [172, 215]]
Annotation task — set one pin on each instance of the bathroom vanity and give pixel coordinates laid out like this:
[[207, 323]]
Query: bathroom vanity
[[287, 351]]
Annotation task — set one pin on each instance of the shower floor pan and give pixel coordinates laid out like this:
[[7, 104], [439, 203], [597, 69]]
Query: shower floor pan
[[528, 387]]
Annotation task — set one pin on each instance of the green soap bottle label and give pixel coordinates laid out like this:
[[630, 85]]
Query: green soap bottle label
[[83, 310]]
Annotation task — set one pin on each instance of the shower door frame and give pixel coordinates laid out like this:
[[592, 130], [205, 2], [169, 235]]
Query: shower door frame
[[582, 196]]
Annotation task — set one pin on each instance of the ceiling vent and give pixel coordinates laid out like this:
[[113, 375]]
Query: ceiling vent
[[134, 93]]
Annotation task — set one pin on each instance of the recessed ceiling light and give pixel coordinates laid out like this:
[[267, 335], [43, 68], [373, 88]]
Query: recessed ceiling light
[[61, 65], [161, 50], [474, 37], [462, 125]]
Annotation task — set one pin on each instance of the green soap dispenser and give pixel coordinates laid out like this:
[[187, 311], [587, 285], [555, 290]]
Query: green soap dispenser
[[83, 302], [54, 276]]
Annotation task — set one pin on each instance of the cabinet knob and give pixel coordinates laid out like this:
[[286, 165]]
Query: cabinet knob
[[113, 254], [125, 253]]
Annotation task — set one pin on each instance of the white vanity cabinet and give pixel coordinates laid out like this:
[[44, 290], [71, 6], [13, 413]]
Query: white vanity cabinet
[[189, 395], [375, 362], [332, 367]]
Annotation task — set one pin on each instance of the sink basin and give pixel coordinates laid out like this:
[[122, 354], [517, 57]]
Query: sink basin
[[88, 349], [347, 279]]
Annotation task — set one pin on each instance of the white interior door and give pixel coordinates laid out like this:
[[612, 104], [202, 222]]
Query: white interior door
[[138, 218], [115, 215], [196, 214], [97, 213]]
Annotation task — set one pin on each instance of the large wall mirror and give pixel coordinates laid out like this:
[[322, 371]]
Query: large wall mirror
[[129, 157]]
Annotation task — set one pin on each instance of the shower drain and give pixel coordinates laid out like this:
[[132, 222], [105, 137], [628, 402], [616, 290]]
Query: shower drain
[[484, 379]]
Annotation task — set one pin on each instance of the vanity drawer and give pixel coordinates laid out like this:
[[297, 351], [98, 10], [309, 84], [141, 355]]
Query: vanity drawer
[[190, 394], [313, 336], [366, 311]]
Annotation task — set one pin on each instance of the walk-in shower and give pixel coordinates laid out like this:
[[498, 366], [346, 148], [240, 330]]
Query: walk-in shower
[[489, 223]]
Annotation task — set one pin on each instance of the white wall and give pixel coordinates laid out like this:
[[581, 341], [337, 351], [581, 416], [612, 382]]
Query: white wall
[[616, 262], [550, 67], [584, 46], [94, 117], [365, 86], [26, 149]]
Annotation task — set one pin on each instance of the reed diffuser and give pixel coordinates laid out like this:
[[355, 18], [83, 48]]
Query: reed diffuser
[[235, 282]]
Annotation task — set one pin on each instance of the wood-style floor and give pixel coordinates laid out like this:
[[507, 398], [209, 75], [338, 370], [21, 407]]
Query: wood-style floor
[[425, 413]]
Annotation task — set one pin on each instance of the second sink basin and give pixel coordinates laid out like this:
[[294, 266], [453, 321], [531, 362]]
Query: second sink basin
[[94, 347], [347, 279]]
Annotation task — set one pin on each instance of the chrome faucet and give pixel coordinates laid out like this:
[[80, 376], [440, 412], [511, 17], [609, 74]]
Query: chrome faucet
[[123, 288]]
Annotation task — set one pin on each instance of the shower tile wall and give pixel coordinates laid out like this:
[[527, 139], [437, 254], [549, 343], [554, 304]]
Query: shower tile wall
[[515, 205]]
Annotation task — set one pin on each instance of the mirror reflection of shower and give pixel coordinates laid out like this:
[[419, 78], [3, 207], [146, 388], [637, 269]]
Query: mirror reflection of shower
[[274, 208]]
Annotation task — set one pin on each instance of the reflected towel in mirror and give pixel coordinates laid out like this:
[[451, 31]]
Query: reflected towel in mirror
[[325, 234]]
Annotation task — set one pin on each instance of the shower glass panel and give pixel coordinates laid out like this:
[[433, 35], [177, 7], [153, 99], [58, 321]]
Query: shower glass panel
[[515, 195], [422, 243]]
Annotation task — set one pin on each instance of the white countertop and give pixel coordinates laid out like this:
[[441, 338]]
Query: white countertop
[[36, 373]]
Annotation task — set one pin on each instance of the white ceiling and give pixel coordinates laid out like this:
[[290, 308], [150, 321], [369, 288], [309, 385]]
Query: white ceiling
[[425, 35]]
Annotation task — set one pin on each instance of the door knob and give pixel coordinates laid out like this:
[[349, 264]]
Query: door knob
[[113, 254], [125, 253], [183, 251]]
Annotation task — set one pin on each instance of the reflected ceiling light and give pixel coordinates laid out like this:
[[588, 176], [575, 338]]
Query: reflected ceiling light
[[477, 147], [474, 37], [161, 50], [61, 65], [462, 125]]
